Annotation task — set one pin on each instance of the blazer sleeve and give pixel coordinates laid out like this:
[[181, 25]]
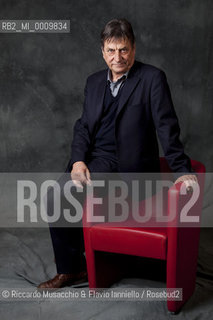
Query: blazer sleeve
[[167, 126], [81, 138]]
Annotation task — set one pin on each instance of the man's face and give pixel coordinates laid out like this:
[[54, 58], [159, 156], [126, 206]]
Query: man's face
[[119, 55]]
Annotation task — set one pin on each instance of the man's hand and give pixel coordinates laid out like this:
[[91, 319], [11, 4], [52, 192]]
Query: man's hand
[[80, 174], [189, 180]]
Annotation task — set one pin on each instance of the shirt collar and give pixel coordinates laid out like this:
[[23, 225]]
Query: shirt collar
[[124, 76]]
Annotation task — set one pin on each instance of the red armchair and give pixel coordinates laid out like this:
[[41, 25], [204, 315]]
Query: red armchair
[[177, 245]]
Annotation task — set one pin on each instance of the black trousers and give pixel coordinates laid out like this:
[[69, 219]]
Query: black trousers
[[68, 242]]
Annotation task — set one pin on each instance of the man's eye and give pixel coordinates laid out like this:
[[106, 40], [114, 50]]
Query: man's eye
[[124, 50]]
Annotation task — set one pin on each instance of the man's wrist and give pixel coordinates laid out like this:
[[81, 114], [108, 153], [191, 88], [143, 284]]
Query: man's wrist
[[78, 162]]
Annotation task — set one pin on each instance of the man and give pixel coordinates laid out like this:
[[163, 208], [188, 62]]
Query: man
[[124, 107]]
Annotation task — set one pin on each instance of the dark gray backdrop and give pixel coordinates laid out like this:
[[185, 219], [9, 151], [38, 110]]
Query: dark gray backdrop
[[42, 76]]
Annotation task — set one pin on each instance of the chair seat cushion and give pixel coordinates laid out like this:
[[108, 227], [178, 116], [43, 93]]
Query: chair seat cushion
[[145, 242]]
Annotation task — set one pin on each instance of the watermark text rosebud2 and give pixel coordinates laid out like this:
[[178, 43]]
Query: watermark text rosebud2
[[121, 202]]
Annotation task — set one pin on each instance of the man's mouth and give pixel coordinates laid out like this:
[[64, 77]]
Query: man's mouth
[[119, 64]]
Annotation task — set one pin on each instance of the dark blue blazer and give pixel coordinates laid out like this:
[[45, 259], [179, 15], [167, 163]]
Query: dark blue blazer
[[145, 107]]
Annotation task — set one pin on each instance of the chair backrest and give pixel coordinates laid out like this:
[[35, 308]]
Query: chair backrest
[[197, 166]]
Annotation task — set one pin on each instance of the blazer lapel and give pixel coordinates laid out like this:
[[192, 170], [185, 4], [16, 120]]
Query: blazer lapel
[[128, 88]]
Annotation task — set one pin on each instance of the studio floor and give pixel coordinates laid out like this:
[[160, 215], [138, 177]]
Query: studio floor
[[27, 258]]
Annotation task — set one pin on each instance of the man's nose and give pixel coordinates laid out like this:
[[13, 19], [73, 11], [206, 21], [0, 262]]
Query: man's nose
[[117, 56]]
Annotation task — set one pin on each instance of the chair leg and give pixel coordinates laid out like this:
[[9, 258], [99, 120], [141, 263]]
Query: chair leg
[[174, 313], [104, 269], [108, 268], [182, 264]]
